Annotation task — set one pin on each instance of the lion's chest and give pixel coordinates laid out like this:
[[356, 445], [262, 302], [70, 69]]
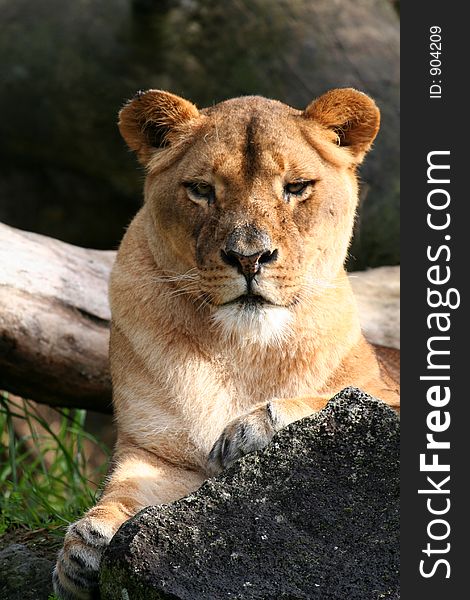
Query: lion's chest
[[250, 378]]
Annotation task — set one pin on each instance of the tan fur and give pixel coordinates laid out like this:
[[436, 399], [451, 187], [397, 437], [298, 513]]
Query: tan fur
[[198, 384]]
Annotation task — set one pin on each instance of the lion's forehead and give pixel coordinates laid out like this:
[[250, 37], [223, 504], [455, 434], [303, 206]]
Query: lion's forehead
[[244, 106], [252, 143], [245, 129]]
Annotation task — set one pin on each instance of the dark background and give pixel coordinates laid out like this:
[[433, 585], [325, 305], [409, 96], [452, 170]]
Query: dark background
[[68, 66]]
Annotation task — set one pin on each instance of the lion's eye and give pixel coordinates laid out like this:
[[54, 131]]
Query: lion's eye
[[200, 190], [296, 188]]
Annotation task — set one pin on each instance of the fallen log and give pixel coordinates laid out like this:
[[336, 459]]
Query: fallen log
[[54, 321], [55, 317]]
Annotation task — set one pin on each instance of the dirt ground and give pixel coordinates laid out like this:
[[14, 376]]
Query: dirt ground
[[41, 541]]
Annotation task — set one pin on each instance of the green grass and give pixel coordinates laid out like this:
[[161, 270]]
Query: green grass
[[44, 479]]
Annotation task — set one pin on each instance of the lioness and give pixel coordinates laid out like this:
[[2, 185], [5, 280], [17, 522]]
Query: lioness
[[232, 315]]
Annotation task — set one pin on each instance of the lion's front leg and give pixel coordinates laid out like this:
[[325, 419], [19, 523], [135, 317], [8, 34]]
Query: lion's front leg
[[255, 429], [139, 479]]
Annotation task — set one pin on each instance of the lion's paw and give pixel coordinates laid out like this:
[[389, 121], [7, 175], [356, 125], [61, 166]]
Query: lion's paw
[[248, 433], [75, 576]]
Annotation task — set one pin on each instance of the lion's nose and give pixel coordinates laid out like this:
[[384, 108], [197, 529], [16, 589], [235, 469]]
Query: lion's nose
[[249, 265], [247, 248]]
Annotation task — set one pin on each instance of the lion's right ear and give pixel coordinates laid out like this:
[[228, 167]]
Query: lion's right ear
[[151, 120], [351, 116]]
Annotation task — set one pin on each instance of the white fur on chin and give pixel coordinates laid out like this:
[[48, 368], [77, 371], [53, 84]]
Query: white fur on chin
[[266, 325]]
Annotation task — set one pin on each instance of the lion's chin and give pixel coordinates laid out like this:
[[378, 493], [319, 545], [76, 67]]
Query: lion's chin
[[254, 323]]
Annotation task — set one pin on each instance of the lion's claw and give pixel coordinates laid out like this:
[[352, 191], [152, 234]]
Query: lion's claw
[[243, 435]]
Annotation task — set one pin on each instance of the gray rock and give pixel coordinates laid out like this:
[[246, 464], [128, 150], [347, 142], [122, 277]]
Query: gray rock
[[23, 575], [314, 515]]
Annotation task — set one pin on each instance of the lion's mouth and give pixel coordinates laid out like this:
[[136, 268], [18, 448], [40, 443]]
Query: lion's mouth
[[249, 301]]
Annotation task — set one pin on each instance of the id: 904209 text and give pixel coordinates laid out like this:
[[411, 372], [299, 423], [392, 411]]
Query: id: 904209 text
[[435, 63]]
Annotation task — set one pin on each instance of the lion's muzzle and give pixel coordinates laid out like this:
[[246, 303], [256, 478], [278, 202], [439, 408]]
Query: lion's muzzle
[[247, 249]]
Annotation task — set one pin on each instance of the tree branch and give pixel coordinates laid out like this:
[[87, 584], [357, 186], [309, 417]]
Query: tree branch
[[54, 318]]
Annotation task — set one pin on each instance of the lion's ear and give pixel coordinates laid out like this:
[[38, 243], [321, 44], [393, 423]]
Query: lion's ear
[[151, 120], [351, 115]]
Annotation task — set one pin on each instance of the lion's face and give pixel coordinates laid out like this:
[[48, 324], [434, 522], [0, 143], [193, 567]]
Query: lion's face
[[252, 201]]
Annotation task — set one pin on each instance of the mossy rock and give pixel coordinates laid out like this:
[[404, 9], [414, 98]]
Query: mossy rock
[[313, 515]]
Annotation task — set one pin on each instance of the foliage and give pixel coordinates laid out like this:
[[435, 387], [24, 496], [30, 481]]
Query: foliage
[[44, 480]]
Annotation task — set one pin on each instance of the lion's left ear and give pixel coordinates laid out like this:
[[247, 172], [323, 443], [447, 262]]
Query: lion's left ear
[[152, 119], [351, 115]]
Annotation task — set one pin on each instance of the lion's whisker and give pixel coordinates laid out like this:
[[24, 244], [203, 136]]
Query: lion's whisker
[[173, 276]]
